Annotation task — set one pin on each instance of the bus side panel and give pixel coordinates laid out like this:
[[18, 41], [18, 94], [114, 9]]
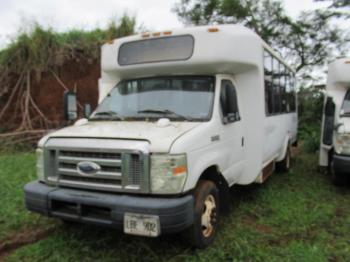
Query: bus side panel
[[277, 129], [250, 85]]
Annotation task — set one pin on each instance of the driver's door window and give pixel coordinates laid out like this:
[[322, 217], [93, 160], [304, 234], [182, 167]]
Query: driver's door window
[[228, 101], [346, 104]]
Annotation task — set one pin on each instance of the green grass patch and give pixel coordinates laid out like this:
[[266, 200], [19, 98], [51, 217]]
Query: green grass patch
[[295, 216], [15, 171]]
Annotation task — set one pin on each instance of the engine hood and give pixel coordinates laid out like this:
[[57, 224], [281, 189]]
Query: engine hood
[[160, 137]]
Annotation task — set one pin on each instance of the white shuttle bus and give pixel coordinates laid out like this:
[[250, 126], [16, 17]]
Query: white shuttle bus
[[183, 115], [335, 135]]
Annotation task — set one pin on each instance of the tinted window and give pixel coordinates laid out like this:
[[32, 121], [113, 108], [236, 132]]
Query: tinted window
[[346, 104], [268, 82], [171, 97], [276, 86], [228, 100], [279, 81], [283, 88], [292, 94], [156, 50]]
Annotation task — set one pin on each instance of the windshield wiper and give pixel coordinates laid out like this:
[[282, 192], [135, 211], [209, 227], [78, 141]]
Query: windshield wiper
[[164, 112], [110, 115]]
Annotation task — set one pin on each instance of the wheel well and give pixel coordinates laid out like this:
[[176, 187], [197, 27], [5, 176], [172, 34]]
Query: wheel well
[[213, 174]]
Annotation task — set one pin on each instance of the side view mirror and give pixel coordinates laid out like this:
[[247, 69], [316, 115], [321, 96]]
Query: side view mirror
[[329, 107], [329, 116], [231, 117], [87, 110], [70, 105]]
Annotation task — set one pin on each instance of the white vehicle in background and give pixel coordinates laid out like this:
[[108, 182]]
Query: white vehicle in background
[[335, 140], [183, 115]]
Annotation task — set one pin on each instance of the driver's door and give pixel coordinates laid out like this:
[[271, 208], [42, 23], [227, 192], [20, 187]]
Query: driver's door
[[231, 130]]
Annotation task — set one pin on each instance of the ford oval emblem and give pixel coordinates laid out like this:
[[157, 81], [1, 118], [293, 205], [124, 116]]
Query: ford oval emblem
[[88, 168]]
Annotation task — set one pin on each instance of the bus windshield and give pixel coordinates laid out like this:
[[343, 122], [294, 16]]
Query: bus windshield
[[188, 98]]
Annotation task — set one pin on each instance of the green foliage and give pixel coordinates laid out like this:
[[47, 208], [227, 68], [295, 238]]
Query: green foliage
[[126, 27], [307, 42], [337, 3], [310, 40], [42, 49], [295, 216], [310, 117], [17, 170]]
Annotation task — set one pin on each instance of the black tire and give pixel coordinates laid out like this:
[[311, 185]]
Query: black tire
[[338, 179], [284, 165], [204, 228]]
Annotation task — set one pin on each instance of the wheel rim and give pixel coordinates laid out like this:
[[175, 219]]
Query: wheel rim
[[208, 216]]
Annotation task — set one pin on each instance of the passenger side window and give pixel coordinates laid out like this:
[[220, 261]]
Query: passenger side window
[[228, 102], [268, 83], [280, 96]]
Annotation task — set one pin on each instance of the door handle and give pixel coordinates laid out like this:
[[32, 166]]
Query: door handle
[[242, 141]]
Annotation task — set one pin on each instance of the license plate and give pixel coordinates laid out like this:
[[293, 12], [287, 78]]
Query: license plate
[[142, 225]]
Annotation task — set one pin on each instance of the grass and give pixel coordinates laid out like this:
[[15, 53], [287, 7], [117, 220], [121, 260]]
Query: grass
[[295, 216], [15, 171]]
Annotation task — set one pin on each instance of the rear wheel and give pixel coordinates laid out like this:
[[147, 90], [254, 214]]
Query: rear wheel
[[206, 214], [284, 165]]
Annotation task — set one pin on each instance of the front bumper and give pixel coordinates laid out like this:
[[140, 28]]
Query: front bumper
[[175, 214], [341, 164]]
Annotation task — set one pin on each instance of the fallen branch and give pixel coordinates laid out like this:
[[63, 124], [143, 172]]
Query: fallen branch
[[59, 80], [38, 110], [24, 132], [2, 77], [63, 85], [12, 95], [26, 121], [22, 140]]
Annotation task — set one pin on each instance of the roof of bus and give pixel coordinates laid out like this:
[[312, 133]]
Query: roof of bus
[[228, 30], [339, 72]]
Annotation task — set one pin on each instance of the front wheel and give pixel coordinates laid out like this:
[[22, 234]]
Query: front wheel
[[206, 214]]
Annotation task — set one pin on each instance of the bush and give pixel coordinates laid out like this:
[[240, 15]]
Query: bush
[[41, 49], [310, 117]]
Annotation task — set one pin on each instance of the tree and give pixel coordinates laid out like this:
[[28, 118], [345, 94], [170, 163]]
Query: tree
[[41, 52], [337, 3], [305, 42]]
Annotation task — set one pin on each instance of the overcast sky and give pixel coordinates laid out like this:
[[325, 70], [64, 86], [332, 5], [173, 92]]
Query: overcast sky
[[87, 14]]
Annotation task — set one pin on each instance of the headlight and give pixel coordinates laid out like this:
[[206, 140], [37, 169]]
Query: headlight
[[40, 164], [168, 173], [342, 144]]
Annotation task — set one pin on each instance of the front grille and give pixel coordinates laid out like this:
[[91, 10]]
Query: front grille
[[120, 171], [135, 171], [91, 154]]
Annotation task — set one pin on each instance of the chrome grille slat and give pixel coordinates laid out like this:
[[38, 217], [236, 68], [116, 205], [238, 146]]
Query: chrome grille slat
[[90, 154], [104, 175], [124, 165], [135, 169], [105, 162], [89, 185]]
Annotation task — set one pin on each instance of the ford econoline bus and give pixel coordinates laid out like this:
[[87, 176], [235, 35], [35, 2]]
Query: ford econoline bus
[[183, 115], [335, 140]]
